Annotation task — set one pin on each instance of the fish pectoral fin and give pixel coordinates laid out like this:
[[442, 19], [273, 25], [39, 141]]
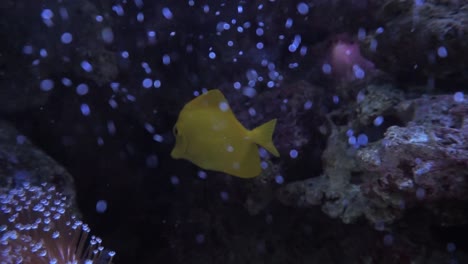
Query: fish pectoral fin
[[263, 136]]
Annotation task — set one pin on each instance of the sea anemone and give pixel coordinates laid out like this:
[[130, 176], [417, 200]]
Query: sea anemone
[[37, 225]]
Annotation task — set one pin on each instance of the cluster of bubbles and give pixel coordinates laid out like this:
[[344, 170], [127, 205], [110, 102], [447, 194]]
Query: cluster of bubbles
[[231, 25], [357, 140], [51, 16], [37, 226]]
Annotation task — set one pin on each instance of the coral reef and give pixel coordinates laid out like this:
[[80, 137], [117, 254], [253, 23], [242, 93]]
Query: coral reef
[[423, 163], [38, 227], [419, 163], [421, 39]]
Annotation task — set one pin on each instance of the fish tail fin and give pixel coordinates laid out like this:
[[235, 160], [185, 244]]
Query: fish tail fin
[[263, 136]]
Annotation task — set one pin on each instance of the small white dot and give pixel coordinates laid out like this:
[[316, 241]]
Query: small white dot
[[230, 148]]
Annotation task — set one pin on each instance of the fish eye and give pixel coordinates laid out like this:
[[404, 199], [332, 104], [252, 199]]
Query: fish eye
[[175, 131]]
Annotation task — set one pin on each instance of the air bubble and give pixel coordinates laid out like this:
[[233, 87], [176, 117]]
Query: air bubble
[[166, 59], [47, 85], [202, 175], [167, 13], [223, 106], [293, 153], [82, 89], [459, 97], [124, 54], [140, 17], [157, 84], [85, 110], [158, 138], [362, 139], [326, 68], [358, 72], [212, 55], [279, 179], [378, 121], [289, 23], [442, 52], [47, 14], [249, 92], [147, 83], [302, 8], [107, 35]]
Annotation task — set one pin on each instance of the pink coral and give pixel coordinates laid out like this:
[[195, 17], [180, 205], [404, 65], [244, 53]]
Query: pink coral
[[347, 62]]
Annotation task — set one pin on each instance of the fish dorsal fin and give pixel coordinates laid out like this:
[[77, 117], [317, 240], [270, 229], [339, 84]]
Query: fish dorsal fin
[[210, 99]]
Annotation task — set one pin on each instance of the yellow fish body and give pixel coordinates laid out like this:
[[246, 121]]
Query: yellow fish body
[[209, 135]]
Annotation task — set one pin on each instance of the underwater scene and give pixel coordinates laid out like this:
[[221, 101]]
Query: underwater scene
[[234, 131]]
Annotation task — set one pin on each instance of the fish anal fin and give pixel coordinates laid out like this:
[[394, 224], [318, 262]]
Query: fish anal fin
[[249, 166]]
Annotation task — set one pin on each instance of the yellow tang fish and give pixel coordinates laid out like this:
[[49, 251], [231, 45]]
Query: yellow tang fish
[[210, 136]]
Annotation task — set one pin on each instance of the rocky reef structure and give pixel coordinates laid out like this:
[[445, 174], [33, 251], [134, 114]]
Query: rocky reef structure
[[422, 39], [23, 162], [419, 162]]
